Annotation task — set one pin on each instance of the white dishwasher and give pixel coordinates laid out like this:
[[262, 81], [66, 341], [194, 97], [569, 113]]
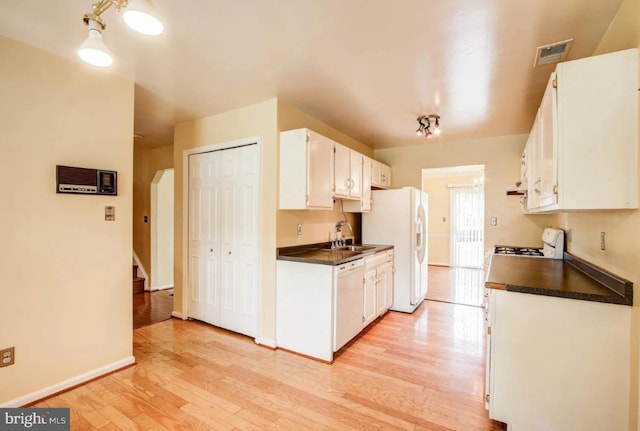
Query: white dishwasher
[[349, 302]]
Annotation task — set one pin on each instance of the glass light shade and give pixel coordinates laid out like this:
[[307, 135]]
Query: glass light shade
[[139, 15], [94, 51]]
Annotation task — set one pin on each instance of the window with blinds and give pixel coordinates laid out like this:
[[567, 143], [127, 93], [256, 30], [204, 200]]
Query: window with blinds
[[467, 227]]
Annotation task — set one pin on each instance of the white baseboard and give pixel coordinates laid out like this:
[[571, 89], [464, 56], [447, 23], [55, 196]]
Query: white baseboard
[[69, 383], [268, 342], [177, 315], [165, 287]]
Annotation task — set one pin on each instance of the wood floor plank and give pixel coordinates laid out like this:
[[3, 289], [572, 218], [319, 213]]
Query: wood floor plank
[[420, 371]]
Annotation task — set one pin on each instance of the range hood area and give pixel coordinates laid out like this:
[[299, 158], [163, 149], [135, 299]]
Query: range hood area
[[518, 188]]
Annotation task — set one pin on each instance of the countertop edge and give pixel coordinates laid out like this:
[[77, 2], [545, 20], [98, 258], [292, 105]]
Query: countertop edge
[[281, 254], [621, 289]]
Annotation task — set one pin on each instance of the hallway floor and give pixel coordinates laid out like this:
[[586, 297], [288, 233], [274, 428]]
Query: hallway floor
[[456, 285], [152, 307]]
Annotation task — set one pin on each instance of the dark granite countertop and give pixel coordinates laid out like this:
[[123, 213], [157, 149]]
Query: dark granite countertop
[[321, 253], [570, 277]]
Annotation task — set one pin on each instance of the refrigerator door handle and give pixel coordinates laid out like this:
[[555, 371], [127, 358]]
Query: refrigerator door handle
[[420, 239]]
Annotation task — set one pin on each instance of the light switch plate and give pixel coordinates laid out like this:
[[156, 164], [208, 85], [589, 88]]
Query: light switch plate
[[109, 213]]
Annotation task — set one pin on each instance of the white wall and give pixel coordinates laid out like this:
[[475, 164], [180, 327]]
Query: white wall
[[65, 272], [162, 230]]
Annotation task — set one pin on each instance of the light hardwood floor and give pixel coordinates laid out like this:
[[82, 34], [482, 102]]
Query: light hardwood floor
[[420, 371], [456, 285]]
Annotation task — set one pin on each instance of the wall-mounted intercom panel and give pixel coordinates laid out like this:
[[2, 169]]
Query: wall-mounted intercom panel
[[86, 181]]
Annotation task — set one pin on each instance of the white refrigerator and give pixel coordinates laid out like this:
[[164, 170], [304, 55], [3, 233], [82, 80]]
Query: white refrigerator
[[399, 218]]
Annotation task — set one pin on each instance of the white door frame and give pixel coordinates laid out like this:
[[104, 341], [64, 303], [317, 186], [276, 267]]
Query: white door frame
[[185, 217], [154, 231]]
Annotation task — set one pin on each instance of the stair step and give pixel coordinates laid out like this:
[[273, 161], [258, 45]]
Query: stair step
[[138, 285]]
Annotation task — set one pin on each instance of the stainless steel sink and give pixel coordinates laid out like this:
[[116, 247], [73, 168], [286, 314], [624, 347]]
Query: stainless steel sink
[[359, 247]]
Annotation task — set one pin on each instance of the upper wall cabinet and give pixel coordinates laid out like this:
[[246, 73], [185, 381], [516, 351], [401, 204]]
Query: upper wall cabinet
[[347, 173], [363, 205], [306, 166], [583, 149], [380, 175], [314, 170]]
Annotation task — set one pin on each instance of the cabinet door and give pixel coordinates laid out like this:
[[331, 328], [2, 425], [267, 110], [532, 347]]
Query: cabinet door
[[535, 176], [386, 176], [381, 290], [341, 171], [387, 269], [366, 185], [369, 296], [547, 156], [355, 174], [380, 175], [319, 167]]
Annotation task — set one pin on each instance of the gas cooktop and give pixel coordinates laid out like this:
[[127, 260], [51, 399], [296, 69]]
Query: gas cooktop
[[519, 251]]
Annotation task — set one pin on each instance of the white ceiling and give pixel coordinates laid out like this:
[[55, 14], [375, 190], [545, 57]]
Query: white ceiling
[[367, 67]]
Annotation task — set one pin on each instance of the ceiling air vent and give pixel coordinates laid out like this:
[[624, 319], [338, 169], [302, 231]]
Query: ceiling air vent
[[552, 53]]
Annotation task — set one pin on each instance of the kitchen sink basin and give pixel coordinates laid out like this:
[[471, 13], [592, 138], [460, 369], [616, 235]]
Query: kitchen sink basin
[[355, 248], [359, 247]]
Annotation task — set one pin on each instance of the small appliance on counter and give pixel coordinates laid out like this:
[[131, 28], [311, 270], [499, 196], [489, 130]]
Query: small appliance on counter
[[552, 246]]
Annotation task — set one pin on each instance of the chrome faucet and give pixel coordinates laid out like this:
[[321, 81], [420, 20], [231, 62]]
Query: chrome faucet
[[340, 241]]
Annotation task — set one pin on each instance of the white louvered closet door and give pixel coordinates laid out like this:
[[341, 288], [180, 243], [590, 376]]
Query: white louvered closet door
[[467, 227]]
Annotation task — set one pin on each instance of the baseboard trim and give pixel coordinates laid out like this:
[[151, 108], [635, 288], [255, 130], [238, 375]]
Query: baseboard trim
[[177, 315], [69, 383], [267, 342], [165, 287]]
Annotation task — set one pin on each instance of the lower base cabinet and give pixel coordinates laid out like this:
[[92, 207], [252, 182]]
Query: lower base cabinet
[[557, 363], [321, 307]]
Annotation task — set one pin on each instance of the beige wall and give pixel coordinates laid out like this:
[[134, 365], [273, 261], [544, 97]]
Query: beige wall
[[439, 213], [501, 158], [146, 162], [317, 226], [259, 121], [622, 228], [65, 272]]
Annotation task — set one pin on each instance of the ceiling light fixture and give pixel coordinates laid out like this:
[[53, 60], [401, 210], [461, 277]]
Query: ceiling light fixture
[[428, 125], [139, 15]]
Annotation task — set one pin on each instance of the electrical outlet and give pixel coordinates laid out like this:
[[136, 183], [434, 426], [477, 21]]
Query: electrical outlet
[[300, 229], [602, 244], [7, 356]]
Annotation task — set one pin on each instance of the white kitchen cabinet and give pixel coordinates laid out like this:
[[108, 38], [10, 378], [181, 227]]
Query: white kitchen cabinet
[[380, 175], [378, 285], [347, 173], [319, 307], [306, 166], [585, 152], [370, 285], [384, 289], [304, 301], [362, 205], [557, 363]]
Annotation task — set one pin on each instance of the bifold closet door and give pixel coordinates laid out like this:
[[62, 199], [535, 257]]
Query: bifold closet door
[[223, 238]]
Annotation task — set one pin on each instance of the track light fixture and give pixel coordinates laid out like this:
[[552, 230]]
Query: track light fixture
[[138, 14], [428, 125]]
